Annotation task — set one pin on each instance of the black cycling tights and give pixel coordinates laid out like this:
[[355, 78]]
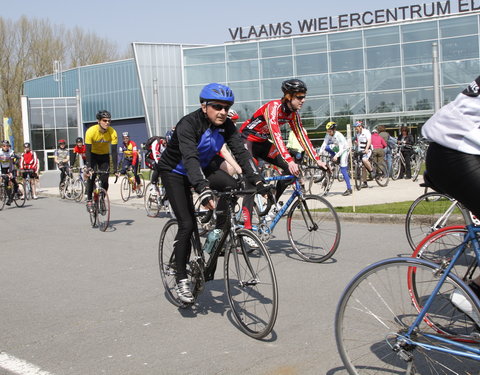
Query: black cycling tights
[[456, 174], [179, 194], [98, 163]]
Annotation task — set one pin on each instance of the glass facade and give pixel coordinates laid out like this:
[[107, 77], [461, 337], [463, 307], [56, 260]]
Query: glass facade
[[383, 74]]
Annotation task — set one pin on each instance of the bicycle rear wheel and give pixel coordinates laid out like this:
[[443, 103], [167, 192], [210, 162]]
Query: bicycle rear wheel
[[125, 189], [396, 168], [151, 200], [251, 285], [313, 228], [102, 205], [375, 311], [19, 197], [3, 196], [430, 212], [357, 174], [381, 175], [78, 190]]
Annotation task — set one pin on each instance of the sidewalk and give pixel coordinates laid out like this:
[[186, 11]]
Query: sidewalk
[[396, 191]]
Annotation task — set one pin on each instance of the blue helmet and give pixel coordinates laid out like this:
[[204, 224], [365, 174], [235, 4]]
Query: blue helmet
[[358, 123], [216, 91]]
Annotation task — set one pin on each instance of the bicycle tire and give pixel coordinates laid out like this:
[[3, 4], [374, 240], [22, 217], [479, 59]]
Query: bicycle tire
[[358, 176], [150, 200], [27, 188], [416, 166], [396, 168], [251, 285], [381, 175], [3, 196], [425, 211], [319, 243], [376, 307], [79, 190], [61, 190], [102, 206], [140, 188], [125, 189], [19, 197], [204, 216]]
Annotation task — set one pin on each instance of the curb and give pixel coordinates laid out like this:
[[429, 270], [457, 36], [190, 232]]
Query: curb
[[372, 218]]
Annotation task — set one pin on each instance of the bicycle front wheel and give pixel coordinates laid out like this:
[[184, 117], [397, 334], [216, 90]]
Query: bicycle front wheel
[[430, 212], [20, 197], [381, 176], [313, 228], [3, 196], [151, 200], [357, 174], [251, 284], [102, 206], [125, 189], [78, 190], [375, 312]]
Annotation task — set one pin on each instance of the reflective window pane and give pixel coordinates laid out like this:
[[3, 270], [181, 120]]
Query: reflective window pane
[[203, 74], [192, 94], [346, 60], [419, 100], [275, 48], [72, 121], [455, 72], [36, 139], [205, 55], [245, 110], [384, 79], [346, 105], [36, 118], [48, 118], [347, 82], [310, 44], [277, 67], [458, 26], [380, 102], [50, 140], [418, 76], [382, 57], [61, 117], [417, 53], [450, 93], [312, 64], [419, 31], [459, 48], [242, 70], [242, 51], [352, 39], [317, 85], [315, 107], [382, 35], [271, 89], [246, 91]]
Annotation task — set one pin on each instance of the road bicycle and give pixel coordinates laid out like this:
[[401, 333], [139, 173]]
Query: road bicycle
[[72, 188], [19, 197], [27, 183], [100, 209], [129, 185], [250, 280], [316, 179], [432, 211], [381, 174], [155, 200], [397, 316]]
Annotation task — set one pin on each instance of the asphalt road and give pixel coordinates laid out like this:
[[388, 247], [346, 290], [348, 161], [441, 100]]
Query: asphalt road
[[77, 301]]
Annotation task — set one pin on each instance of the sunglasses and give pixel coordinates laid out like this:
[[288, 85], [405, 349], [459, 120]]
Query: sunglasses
[[300, 97], [219, 107], [106, 120]]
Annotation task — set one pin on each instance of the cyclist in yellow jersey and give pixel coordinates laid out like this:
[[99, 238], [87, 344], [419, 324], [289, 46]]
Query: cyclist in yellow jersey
[[101, 141]]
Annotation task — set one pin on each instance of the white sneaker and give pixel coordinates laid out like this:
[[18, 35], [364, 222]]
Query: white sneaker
[[250, 242], [462, 303], [183, 291]]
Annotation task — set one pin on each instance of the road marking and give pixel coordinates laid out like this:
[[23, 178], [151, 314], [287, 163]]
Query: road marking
[[19, 366]]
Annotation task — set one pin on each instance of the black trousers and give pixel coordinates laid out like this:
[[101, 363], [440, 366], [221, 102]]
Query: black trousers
[[98, 163], [178, 189], [455, 173]]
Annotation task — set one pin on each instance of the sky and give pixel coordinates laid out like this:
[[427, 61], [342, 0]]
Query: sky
[[186, 22]]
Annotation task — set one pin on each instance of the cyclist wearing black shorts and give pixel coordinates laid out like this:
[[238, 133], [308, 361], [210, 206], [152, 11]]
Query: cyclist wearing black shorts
[[196, 140], [453, 158], [7, 168]]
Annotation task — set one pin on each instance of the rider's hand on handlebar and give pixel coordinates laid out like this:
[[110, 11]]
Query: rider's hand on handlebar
[[293, 168], [323, 165]]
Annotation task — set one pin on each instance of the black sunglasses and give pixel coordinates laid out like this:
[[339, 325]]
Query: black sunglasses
[[219, 107], [300, 97]]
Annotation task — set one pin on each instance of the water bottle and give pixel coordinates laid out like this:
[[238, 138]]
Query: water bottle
[[212, 239]]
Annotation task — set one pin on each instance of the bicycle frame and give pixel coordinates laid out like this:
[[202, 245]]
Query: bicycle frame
[[471, 237]]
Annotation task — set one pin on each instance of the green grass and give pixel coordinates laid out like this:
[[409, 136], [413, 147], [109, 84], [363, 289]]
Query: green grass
[[400, 208]]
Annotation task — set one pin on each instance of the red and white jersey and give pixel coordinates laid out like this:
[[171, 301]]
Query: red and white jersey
[[29, 160], [266, 124]]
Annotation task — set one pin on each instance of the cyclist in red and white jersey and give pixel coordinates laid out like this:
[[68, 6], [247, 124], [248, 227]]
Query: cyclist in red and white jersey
[[29, 164], [263, 137]]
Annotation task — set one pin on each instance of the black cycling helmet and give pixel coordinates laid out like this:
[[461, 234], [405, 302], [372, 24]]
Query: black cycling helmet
[[79, 139], [292, 86], [103, 114], [26, 145]]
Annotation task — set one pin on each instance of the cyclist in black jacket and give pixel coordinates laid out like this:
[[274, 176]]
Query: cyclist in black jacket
[[197, 138]]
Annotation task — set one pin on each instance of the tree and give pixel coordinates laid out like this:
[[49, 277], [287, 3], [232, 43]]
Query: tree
[[28, 48]]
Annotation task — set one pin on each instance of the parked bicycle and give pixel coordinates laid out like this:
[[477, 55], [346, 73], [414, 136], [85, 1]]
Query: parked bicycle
[[250, 280], [129, 185], [398, 163], [100, 210], [398, 316]]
